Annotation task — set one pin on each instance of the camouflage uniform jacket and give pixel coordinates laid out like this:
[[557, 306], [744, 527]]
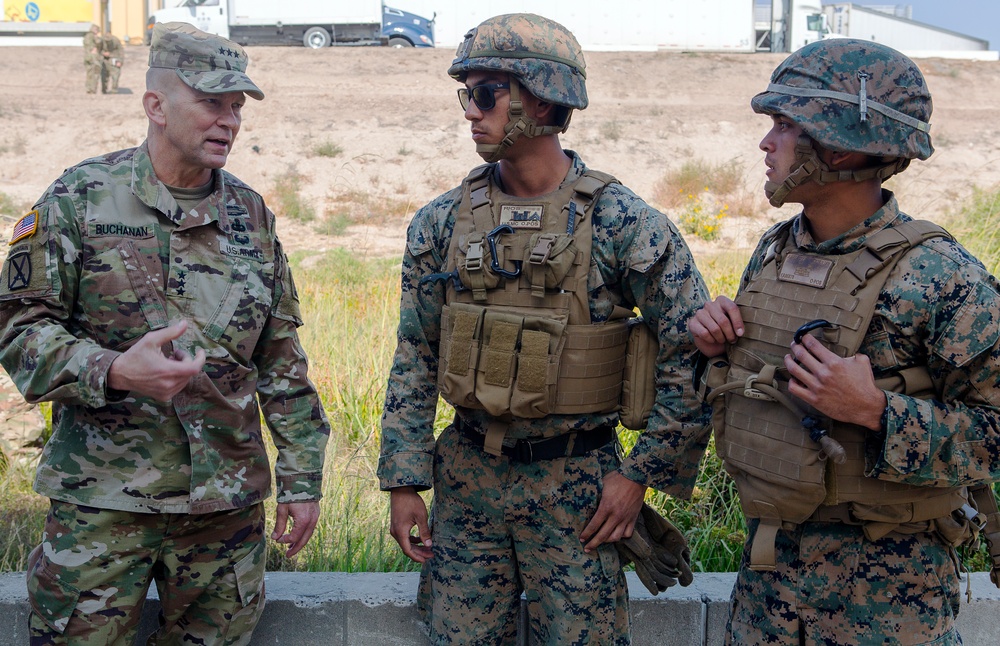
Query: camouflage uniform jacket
[[638, 259], [112, 46], [938, 309], [113, 258], [92, 47]]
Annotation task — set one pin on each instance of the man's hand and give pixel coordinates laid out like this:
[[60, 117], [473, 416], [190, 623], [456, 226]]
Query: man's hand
[[146, 369], [406, 511], [621, 500], [842, 389], [716, 324], [304, 517]]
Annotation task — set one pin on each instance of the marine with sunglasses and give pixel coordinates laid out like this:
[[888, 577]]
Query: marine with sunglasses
[[519, 291]]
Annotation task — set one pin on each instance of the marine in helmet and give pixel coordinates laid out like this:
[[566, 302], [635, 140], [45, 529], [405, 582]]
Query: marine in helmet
[[864, 431], [518, 294]]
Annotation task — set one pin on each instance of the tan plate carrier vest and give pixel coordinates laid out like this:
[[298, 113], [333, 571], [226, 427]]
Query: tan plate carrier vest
[[516, 334], [782, 476]]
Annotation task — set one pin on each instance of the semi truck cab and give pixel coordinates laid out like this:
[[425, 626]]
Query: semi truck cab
[[312, 23]]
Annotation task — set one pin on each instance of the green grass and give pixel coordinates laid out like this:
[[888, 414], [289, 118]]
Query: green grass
[[327, 149], [977, 226], [12, 208], [23, 517], [700, 196], [287, 200]]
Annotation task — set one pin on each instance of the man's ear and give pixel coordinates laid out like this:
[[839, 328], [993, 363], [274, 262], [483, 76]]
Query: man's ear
[[545, 112], [152, 103], [847, 160]]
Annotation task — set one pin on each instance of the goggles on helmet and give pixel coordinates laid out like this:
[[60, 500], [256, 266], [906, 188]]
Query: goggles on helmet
[[482, 94]]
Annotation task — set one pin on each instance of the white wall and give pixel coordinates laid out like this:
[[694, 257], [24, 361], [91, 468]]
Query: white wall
[[898, 33], [705, 25]]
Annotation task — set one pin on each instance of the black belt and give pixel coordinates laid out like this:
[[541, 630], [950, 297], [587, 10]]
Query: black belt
[[527, 451]]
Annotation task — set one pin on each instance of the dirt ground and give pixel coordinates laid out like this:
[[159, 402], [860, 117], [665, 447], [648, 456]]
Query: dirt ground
[[396, 118]]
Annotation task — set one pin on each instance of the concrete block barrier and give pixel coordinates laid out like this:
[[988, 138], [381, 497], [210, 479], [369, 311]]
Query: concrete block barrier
[[332, 608]]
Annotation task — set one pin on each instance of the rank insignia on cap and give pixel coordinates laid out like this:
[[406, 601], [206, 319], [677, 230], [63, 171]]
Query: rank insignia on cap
[[25, 227]]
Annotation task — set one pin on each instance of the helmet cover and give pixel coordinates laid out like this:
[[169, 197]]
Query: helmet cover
[[540, 53], [853, 95]]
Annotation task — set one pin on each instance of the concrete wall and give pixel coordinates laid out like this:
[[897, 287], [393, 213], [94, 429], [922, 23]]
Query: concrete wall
[[366, 609]]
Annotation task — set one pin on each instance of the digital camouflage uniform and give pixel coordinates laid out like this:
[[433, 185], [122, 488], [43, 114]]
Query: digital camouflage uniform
[[142, 488], [92, 59], [113, 56], [937, 310], [500, 527]]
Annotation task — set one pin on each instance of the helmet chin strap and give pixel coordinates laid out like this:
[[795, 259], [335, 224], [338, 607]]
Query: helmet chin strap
[[517, 124], [809, 167]]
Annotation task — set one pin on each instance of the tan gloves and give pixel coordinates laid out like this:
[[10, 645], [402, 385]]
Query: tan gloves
[[659, 551]]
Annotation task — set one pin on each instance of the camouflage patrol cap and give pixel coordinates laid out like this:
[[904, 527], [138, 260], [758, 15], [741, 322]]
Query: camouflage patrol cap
[[206, 62], [542, 54], [853, 95]]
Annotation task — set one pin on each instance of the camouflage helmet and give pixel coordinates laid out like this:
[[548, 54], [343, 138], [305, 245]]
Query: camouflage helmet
[[540, 53], [853, 95]]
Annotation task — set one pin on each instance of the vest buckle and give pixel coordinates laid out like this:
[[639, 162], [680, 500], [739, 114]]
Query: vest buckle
[[540, 254], [474, 257]]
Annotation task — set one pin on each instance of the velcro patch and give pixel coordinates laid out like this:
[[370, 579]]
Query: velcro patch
[[25, 227], [522, 217], [23, 271], [806, 270], [118, 230]]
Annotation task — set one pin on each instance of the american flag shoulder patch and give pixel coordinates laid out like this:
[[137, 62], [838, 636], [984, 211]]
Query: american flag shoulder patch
[[25, 227]]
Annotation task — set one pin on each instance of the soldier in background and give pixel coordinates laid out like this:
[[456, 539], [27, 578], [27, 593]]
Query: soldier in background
[[147, 297], [93, 62], [112, 57], [856, 377], [517, 287]]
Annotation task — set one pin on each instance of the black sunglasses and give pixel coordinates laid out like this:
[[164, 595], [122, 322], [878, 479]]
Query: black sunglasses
[[482, 94]]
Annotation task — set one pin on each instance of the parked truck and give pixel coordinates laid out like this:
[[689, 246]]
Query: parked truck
[[312, 23], [897, 30]]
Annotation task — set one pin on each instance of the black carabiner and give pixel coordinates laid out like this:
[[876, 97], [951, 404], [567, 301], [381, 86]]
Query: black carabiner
[[806, 328], [491, 238]]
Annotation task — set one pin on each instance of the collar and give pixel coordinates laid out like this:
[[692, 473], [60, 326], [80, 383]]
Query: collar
[[854, 238], [149, 190]]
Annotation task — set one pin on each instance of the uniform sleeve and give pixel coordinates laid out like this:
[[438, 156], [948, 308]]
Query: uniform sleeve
[[660, 277], [407, 449], [39, 285], [953, 440], [291, 406]]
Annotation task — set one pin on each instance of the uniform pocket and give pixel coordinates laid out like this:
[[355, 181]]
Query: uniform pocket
[[250, 573], [498, 361], [537, 366], [461, 330], [549, 257], [52, 599], [129, 305]]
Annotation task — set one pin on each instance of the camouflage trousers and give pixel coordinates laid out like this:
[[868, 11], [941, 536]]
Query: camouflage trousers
[[94, 70], [87, 581], [833, 586], [110, 74], [500, 528]]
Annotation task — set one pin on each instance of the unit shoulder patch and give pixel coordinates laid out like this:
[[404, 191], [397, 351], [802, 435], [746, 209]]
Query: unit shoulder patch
[[23, 272]]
